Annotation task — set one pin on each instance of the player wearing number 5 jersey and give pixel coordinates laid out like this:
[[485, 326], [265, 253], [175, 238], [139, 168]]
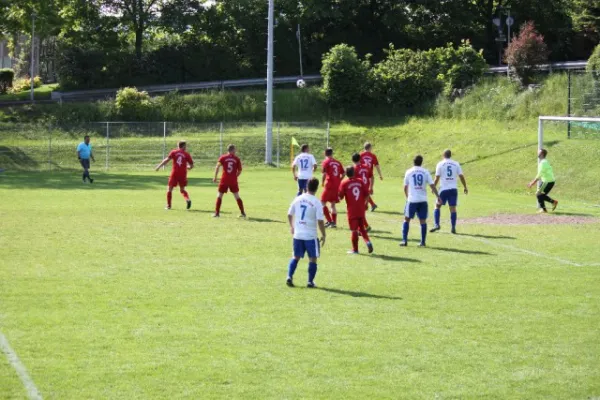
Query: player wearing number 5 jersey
[[182, 161], [447, 172], [304, 215], [333, 173], [232, 169], [306, 165], [363, 172], [370, 160], [356, 194], [416, 181]]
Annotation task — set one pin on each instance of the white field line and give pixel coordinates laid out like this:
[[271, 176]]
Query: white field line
[[518, 249], [32, 392]]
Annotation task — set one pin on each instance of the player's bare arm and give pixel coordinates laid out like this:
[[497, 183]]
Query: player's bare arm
[[217, 168], [322, 229], [533, 182], [291, 222], [294, 172], [406, 191], [323, 179], [434, 191], [436, 180], [162, 164], [464, 183], [379, 172]]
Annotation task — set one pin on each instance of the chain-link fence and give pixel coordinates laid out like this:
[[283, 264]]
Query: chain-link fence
[[583, 101], [123, 146]]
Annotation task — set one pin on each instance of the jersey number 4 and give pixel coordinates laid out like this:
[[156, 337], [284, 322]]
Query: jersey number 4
[[179, 160]]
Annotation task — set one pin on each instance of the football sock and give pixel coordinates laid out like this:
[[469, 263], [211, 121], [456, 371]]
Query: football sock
[[423, 233], [371, 202], [83, 176], [241, 205], [292, 267], [327, 214], [185, 194], [312, 271], [218, 205], [334, 216], [169, 197], [354, 240], [436, 216], [405, 227], [453, 219], [364, 234]]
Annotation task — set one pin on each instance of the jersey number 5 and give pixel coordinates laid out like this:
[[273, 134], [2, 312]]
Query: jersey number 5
[[229, 167], [449, 171]]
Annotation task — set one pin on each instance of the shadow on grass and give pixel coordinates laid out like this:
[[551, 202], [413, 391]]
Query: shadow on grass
[[385, 237], [461, 251], [572, 214], [252, 219], [103, 181], [390, 212], [358, 294], [485, 236], [386, 257], [501, 153]]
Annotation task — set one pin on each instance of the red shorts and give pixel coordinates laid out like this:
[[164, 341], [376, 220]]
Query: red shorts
[[225, 186], [356, 223], [330, 195], [175, 180]]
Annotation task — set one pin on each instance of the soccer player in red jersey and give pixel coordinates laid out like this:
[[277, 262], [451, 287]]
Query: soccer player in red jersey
[[182, 161], [363, 172], [356, 194], [333, 173], [370, 159], [232, 168]]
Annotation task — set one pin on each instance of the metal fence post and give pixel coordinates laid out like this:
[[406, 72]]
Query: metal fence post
[[50, 151], [328, 126], [107, 145], [569, 104], [164, 141], [221, 138], [278, 145]]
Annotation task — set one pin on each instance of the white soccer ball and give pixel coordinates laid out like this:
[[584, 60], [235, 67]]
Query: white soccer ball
[[301, 83]]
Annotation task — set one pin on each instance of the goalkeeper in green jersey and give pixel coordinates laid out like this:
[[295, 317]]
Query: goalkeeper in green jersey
[[546, 175]]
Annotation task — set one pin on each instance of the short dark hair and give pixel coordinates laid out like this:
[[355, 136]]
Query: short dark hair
[[447, 153], [329, 152], [544, 152], [313, 185], [367, 146], [304, 147], [355, 157], [86, 137], [181, 144], [350, 171], [418, 160], [231, 147]]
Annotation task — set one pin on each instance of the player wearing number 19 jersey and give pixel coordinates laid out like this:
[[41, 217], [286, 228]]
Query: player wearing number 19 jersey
[[333, 173], [447, 172], [232, 168], [182, 161], [356, 194]]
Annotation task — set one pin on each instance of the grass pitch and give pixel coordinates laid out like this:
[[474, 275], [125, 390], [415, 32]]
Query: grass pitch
[[104, 294]]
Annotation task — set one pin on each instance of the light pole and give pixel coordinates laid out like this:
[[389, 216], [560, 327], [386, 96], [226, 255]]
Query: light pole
[[298, 35], [269, 102], [31, 75]]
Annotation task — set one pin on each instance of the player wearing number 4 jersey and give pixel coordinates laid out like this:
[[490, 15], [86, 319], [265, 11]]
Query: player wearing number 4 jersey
[[356, 194], [416, 181], [232, 169], [333, 173], [371, 161], [304, 215], [182, 161], [306, 165], [446, 173]]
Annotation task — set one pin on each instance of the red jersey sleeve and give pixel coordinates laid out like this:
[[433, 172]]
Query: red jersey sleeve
[[239, 164], [170, 156], [375, 160], [189, 159]]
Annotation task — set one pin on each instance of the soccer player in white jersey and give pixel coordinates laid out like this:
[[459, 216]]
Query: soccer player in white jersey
[[306, 165], [446, 172], [416, 181], [304, 215]]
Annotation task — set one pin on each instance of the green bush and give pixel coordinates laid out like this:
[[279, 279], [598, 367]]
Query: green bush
[[24, 84], [132, 104], [6, 79], [345, 76], [593, 65]]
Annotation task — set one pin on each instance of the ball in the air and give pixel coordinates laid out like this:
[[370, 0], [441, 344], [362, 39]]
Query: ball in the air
[[301, 83]]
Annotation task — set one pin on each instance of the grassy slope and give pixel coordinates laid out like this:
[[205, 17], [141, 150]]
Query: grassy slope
[[107, 295], [41, 93]]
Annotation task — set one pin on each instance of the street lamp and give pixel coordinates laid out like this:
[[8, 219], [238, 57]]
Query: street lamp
[[31, 74]]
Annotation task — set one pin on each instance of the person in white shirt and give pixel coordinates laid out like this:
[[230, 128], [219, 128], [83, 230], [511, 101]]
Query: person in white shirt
[[446, 173], [416, 181], [306, 164], [304, 215]]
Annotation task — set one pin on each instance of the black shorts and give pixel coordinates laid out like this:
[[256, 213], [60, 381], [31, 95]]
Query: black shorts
[[85, 163]]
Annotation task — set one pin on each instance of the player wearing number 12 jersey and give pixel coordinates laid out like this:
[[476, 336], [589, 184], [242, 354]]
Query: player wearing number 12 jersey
[[333, 173], [356, 194], [370, 159], [232, 168], [182, 161], [306, 165]]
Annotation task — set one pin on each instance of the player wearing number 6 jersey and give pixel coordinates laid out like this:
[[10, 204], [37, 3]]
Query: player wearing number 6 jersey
[[182, 161], [306, 165], [447, 171], [304, 215], [333, 173], [356, 194], [416, 181], [232, 169]]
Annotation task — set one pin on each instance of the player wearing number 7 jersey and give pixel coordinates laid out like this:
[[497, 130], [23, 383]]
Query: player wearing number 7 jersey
[[356, 194], [182, 161], [232, 169], [447, 171]]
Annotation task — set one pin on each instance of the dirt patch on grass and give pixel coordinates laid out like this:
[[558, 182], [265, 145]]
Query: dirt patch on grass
[[532, 219]]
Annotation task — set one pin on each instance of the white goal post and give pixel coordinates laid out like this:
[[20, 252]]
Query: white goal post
[[557, 119]]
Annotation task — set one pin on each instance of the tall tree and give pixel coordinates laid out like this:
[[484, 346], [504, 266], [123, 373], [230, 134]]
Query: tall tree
[[587, 18]]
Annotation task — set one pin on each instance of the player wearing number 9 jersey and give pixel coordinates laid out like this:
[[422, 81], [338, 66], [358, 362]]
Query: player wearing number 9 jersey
[[182, 161], [356, 194], [447, 172], [364, 173], [232, 168], [416, 181], [333, 173]]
